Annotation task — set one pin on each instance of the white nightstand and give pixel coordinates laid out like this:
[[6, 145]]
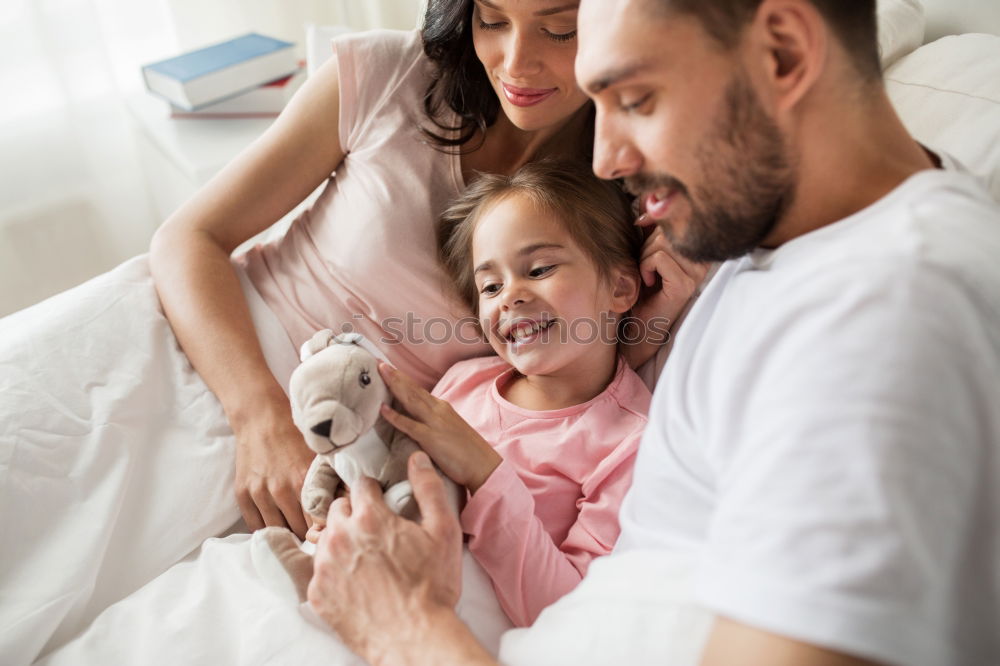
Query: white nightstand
[[180, 155]]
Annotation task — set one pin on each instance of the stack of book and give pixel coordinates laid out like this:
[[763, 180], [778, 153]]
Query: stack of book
[[248, 76]]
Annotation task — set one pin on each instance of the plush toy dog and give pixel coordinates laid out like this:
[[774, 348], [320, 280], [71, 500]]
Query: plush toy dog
[[336, 394]]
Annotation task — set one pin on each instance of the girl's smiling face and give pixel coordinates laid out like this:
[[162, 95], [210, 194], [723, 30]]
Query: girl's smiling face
[[543, 305]]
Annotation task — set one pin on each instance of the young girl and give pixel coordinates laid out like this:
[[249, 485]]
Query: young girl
[[544, 434]]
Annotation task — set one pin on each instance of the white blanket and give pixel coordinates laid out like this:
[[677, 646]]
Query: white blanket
[[115, 459], [213, 608], [637, 608]]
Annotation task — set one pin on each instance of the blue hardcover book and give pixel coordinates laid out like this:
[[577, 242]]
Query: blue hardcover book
[[220, 71]]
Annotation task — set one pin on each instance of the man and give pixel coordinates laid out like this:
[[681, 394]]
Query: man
[[825, 439]]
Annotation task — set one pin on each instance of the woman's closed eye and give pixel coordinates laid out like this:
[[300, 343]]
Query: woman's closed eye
[[560, 36], [483, 25]]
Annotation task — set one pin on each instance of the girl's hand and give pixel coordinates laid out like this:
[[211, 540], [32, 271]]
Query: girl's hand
[[670, 279], [461, 453], [271, 464], [315, 531]]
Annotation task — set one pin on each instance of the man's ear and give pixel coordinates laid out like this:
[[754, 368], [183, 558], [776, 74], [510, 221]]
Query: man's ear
[[790, 41], [624, 289]]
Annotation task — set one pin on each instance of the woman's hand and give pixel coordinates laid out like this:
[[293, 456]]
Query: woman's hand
[[669, 280], [461, 453], [271, 464]]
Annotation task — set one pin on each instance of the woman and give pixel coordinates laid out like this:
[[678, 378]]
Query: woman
[[115, 490], [379, 154]]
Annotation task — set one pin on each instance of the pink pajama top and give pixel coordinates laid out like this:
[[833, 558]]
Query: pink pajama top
[[552, 505]]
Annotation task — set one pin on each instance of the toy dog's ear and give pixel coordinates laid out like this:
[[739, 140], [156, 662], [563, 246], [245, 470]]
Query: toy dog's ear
[[349, 339], [317, 343]]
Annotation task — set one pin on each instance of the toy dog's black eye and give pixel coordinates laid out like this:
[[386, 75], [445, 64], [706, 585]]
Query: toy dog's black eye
[[364, 379]]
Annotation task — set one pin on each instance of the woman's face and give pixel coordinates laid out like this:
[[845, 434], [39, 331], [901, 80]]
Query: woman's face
[[527, 48]]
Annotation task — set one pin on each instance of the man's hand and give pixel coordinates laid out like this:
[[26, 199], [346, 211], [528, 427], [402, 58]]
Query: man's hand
[[382, 581], [461, 452]]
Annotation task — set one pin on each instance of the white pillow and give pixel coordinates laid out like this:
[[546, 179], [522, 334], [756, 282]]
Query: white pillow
[[948, 95], [900, 28]]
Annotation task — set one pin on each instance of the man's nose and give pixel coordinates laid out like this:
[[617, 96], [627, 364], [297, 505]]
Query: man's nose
[[615, 156]]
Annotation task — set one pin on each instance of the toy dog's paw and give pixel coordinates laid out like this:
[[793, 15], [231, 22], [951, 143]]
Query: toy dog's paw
[[317, 502], [319, 488], [399, 498], [280, 563]]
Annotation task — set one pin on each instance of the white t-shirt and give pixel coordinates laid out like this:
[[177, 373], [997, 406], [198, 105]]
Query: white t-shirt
[[825, 437]]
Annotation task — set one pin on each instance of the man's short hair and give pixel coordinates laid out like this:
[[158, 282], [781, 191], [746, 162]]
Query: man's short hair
[[853, 22]]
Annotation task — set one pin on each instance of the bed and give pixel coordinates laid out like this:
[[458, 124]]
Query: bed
[[79, 591]]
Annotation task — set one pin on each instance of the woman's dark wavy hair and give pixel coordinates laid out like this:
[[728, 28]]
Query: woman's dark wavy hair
[[459, 81]]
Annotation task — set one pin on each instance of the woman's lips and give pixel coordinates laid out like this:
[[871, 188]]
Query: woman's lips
[[526, 96]]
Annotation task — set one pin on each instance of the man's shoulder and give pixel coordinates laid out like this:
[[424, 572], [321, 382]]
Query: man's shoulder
[[939, 226], [942, 236]]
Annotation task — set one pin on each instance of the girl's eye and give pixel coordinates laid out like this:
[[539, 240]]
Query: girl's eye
[[560, 37], [489, 289], [635, 105], [540, 271]]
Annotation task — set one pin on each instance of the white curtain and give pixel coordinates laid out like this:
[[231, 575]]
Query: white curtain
[[73, 201]]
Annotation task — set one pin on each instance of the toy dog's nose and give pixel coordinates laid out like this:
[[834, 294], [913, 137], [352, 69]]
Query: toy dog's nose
[[323, 428]]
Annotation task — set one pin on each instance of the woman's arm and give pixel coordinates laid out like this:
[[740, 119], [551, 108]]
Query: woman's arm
[[202, 298]]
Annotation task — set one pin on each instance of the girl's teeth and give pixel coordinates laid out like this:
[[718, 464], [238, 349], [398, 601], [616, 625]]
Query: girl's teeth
[[528, 330], [525, 332]]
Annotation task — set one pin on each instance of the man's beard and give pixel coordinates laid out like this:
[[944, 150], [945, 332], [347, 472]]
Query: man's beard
[[747, 182]]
